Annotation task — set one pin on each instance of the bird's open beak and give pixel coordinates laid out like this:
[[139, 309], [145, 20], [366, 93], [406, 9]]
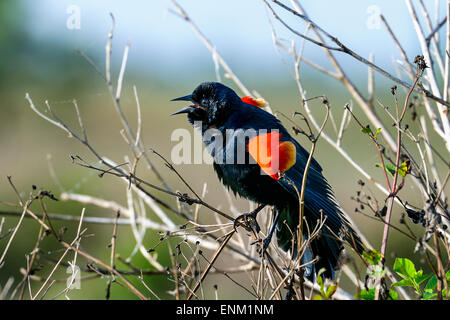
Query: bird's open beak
[[186, 109]]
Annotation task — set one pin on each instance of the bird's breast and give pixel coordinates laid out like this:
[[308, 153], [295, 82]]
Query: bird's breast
[[238, 170]]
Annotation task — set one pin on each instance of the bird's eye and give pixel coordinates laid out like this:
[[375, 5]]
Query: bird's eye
[[204, 102]]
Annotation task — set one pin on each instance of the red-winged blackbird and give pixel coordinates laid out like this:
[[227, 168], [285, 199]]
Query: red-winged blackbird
[[219, 108]]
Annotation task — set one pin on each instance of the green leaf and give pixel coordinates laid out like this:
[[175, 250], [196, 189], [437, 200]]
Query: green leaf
[[319, 280], [376, 133], [390, 168], [403, 283], [430, 289], [319, 277], [366, 130], [393, 295], [431, 284], [421, 278], [325, 293], [330, 291], [373, 257], [402, 169], [405, 268], [366, 294], [429, 295]]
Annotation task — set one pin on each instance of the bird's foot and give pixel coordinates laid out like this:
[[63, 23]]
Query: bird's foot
[[265, 245], [248, 221]]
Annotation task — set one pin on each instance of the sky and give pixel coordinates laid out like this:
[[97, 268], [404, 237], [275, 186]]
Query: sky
[[161, 42]]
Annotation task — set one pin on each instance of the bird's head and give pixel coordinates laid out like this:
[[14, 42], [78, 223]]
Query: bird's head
[[212, 103]]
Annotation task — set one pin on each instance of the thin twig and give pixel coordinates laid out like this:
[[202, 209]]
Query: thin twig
[[213, 259]]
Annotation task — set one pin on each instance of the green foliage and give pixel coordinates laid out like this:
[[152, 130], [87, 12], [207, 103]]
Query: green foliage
[[430, 290], [325, 292], [411, 278], [373, 257], [369, 294], [406, 269], [402, 169], [377, 132], [368, 130], [375, 270], [366, 294]]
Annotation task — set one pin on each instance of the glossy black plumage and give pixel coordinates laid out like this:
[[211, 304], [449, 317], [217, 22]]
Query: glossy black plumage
[[220, 108]]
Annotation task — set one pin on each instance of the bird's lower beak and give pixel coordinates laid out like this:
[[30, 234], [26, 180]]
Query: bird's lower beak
[[184, 110]]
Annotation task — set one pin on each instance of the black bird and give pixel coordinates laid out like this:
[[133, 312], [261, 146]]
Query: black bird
[[218, 109]]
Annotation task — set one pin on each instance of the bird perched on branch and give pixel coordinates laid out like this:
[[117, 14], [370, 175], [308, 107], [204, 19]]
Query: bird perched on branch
[[256, 157]]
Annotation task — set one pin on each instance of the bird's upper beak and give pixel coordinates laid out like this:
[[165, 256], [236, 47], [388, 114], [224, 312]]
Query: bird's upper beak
[[185, 98], [185, 109]]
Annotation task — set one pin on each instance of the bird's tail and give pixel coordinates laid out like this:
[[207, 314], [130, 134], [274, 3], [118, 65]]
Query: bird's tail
[[324, 250]]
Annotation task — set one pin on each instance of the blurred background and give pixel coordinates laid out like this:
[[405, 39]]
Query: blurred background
[[38, 43]]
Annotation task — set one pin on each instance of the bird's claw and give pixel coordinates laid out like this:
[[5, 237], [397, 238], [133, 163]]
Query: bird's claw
[[265, 245], [248, 221]]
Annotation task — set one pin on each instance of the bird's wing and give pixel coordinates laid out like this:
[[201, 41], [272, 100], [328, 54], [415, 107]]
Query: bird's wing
[[318, 194]]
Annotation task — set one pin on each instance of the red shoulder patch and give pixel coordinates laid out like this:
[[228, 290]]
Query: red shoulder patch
[[260, 103], [272, 155]]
